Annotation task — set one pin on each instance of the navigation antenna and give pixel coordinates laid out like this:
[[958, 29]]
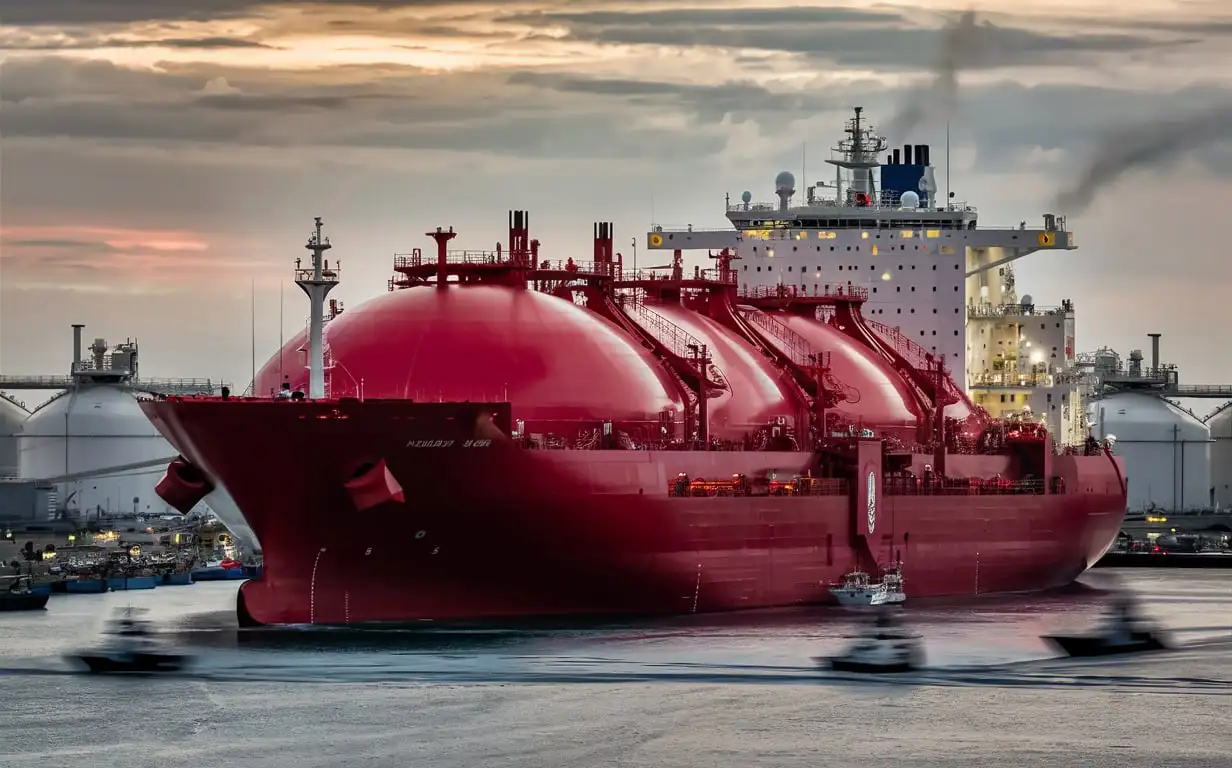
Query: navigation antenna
[[316, 282], [859, 153]]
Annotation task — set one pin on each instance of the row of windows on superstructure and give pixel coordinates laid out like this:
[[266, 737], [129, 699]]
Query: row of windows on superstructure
[[870, 224], [875, 250], [850, 267], [897, 288], [899, 311]]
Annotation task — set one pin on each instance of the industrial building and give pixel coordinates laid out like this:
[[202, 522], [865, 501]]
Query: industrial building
[[88, 452], [1173, 460]]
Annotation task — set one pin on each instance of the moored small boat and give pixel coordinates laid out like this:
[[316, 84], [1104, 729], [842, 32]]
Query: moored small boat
[[17, 596], [857, 588], [85, 585], [219, 570], [125, 583]]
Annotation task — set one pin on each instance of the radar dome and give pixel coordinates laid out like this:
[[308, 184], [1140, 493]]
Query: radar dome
[[785, 180], [1027, 300], [747, 196], [910, 200]]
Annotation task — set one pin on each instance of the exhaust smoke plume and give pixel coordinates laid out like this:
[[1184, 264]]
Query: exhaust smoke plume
[[959, 48], [1149, 145]]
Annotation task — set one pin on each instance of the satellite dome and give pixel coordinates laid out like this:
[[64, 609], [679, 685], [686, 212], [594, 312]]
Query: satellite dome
[[747, 196], [910, 200], [785, 180], [1027, 300]]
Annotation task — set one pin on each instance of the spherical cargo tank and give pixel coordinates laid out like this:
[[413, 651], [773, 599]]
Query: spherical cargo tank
[[89, 429], [290, 364], [12, 416], [1220, 425], [1167, 450], [755, 397], [560, 365], [879, 398]]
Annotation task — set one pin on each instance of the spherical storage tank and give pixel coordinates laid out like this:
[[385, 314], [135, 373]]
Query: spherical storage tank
[[95, 428], [1220, 424], [1167, 451], [560, 365], [12, 416], [880, 400]]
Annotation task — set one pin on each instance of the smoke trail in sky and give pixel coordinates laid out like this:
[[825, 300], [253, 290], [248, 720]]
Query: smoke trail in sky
[[1147, 145], [959, 47]]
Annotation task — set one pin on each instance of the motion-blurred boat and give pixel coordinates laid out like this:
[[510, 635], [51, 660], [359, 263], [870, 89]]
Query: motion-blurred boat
[[886, 647], [131, 646], [1124, 630]]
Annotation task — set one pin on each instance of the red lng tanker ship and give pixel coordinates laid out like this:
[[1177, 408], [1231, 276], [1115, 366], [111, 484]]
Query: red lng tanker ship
[[506, 436]]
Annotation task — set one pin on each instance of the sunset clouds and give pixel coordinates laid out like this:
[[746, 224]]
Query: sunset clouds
[[186, 144]]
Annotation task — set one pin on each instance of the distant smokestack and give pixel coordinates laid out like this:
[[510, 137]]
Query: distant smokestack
[[1154, 350], [898, 158], [907, 154], [77, 345], [921, 154]]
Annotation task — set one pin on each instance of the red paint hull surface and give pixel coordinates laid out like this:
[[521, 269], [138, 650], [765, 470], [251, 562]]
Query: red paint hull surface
[[488, 530]]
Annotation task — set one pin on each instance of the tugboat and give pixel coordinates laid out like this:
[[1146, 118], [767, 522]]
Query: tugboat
[[131, 647], [857, 589], [887, 647], [19, 597], [1124, 631]]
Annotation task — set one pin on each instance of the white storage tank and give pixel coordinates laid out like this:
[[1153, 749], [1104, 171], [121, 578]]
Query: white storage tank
[[1220, 424], [95, 428], [12, 416], [1167, 450]]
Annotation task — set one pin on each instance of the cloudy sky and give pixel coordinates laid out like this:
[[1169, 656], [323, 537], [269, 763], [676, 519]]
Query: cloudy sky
[[162, 158]]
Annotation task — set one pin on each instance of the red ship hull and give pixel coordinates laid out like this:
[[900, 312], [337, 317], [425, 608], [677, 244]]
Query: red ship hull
[[467, 527]]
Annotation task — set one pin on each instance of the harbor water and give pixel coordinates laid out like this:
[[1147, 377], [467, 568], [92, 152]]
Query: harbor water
[[728, 690]]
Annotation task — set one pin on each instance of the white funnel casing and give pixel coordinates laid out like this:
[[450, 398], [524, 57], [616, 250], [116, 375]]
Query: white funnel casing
[[928, 184]]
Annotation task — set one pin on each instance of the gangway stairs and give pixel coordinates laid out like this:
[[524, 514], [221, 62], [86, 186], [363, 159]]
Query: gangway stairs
[[681, 348], [805, 364]]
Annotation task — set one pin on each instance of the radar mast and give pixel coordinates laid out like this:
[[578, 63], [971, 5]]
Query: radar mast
[[316, 281], [859, 153]]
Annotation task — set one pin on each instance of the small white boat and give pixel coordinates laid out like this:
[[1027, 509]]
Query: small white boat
[[887, 647], [858, 589]]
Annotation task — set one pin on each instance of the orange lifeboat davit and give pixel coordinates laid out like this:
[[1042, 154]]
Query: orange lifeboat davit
[[183, 485], [374, 485]]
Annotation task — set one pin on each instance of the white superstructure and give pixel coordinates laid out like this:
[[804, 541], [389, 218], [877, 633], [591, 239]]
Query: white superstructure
[[931, 271]]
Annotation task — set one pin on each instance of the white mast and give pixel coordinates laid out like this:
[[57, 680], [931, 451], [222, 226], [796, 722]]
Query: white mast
[[316, 282]]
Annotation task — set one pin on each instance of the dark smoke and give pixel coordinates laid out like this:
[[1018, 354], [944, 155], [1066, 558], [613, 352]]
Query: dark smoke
[[1144, 146], [958, 50]]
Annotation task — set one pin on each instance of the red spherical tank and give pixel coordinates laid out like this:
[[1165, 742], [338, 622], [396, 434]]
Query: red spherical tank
[[884, 401], [556, 362], [289, 364], [756, 395]]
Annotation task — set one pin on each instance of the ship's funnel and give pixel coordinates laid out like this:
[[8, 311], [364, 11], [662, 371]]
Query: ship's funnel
[[1154, 351], [77, 345]]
